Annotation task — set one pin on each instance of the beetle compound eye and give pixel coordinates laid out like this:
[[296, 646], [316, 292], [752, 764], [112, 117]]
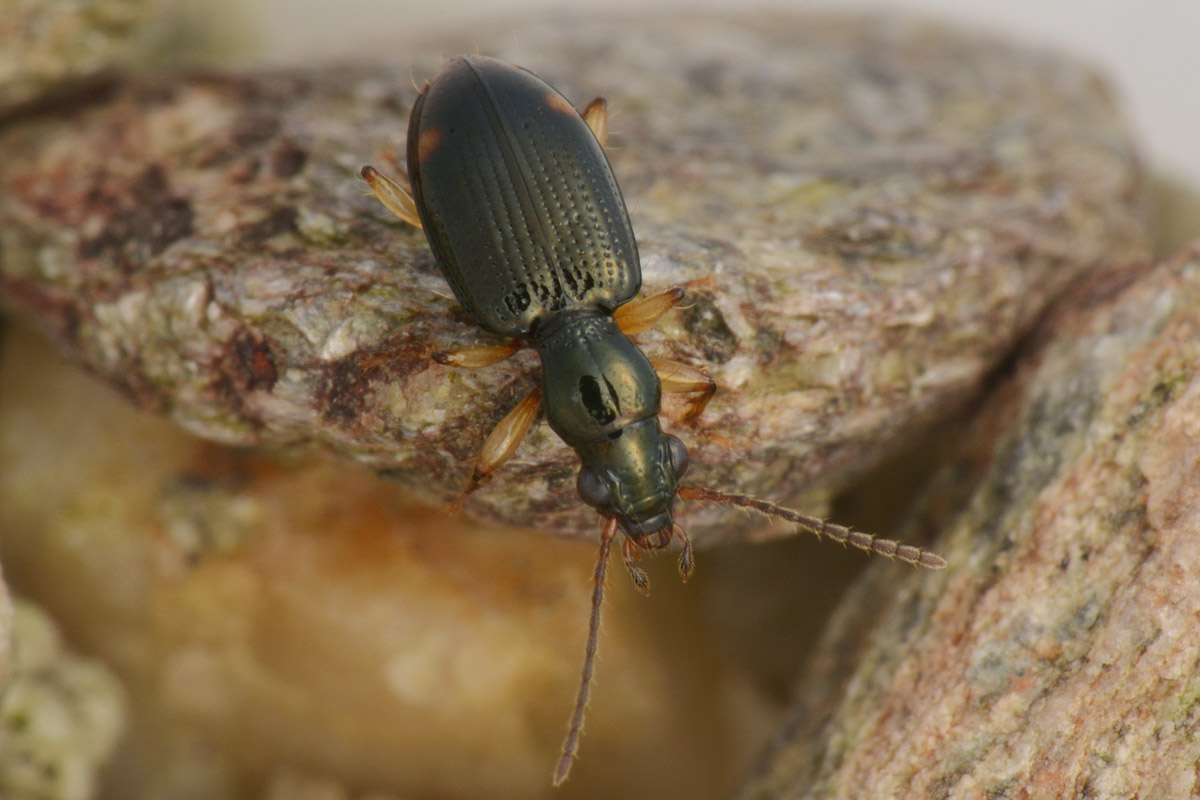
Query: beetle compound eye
[[593, 490], [679, 456]]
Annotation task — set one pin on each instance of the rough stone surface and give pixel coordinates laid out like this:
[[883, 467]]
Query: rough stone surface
[[1057, 656], [883, 209]]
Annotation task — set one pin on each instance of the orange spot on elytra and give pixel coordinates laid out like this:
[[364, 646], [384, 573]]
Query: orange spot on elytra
[[430, 138], [559, 103]]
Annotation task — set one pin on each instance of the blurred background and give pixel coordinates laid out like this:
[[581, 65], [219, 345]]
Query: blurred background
[[1148, 48]]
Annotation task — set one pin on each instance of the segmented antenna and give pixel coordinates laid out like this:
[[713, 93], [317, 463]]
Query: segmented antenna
[[570, 745], [907, 553]]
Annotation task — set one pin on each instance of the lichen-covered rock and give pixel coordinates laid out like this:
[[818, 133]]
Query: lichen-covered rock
[[882, 208], [1056, 656], [60, 716]]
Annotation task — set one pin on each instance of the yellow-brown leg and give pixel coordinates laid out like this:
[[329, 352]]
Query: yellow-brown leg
[[687, 562], [682, 379], [396, 196], [502, 442], [477, 355], [399, 200], [596, 117], [630, 553], [642, 314]]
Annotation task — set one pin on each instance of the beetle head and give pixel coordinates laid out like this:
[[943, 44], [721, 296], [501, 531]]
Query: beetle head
[[631, 475]]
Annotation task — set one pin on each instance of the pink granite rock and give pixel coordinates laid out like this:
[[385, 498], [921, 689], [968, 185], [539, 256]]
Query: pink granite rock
[[1057, 655]]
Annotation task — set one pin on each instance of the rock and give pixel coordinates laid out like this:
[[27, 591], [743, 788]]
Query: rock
[[871, 217], [1056, 656], [6, 634], [268, 613], [65, 51], [292, 786], [60, 715], [880, 208]]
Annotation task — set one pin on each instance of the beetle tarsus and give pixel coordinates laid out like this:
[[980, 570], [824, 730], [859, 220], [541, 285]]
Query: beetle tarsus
[[687, 561], [570, 744], [455, 506], [630, 553]]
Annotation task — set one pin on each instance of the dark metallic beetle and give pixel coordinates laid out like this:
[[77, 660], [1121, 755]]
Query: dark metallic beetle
[[525, 219]]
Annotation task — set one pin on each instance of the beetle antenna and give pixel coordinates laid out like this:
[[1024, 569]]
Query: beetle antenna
[[917, 556], [570, 745]]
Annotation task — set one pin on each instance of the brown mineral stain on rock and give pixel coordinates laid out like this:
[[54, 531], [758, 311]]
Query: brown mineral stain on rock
[[250, 363]]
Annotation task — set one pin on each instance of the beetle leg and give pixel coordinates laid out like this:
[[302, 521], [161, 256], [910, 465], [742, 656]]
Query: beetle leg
[[596, 117], [501, 443], [478, 355], [630, 553], [687, 562], [681, 378], [641, 315], [392, 194]]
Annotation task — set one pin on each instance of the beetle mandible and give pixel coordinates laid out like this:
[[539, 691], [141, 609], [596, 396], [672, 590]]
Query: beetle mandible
[[527, 223]]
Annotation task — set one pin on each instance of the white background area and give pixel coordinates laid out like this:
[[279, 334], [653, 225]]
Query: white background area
[[1149, 49]]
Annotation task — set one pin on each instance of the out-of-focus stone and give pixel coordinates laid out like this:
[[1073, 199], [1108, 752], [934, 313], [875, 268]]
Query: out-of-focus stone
[[1057, 655], [6, 633], [293, 786], [1176, 218], [60, 715], [882, 208], [271, 614], [51, 48]]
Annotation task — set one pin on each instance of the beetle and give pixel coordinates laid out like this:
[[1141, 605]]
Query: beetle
[[526, 221]]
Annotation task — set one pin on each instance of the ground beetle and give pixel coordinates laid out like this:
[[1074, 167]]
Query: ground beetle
[[527, 223]]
